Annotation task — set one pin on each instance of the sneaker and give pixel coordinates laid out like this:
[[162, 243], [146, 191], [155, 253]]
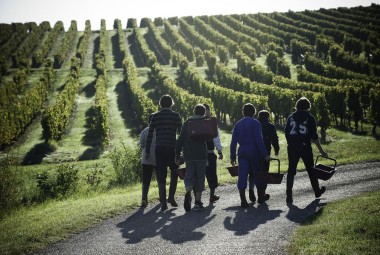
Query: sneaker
[[198, 206], [144, 203], [244, 204], [214, 198], [187, 202], [164, 207], [264, 198], [289, 199], [321, 191], [252, 196], [172, 202]]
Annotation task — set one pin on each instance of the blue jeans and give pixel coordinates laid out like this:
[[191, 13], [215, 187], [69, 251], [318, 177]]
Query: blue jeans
[[246, 165]]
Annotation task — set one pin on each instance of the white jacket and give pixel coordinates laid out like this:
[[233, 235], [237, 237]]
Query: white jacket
[[152, 158]]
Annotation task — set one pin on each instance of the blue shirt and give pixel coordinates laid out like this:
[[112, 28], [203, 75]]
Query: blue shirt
[[247, 133]]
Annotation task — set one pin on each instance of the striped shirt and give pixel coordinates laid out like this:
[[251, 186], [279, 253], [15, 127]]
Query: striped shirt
[[167, 124]]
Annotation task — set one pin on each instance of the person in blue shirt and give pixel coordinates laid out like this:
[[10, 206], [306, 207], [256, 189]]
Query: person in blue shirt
[[247, 133]]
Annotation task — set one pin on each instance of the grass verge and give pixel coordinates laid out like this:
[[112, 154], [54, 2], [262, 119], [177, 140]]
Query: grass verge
[[350, 226]]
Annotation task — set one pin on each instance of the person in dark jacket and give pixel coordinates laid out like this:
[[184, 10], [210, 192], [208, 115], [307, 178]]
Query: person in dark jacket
[[300, 131], [270, 139], [247, 133], [195, 155], [167, 124]]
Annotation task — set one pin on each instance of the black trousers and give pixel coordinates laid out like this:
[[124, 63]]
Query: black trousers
[[211, 176], [165, 157], [297, 152], [147, 173]]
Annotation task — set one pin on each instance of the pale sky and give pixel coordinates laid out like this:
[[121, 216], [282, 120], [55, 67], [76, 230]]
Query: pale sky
[[95, 10]]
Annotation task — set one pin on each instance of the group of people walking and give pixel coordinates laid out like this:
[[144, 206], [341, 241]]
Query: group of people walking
[[250, 148]]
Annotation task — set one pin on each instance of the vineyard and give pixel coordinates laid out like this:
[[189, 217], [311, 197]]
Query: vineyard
[[50, 77], [72, 103]]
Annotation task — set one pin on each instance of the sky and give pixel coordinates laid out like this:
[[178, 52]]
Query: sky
[[95, 10]]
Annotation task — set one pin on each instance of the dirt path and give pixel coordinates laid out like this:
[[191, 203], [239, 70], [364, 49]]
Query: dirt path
[[222, 228]]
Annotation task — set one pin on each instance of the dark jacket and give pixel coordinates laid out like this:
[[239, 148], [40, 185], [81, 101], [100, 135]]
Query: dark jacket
[[301, 129], [269, 135], [192, 149]]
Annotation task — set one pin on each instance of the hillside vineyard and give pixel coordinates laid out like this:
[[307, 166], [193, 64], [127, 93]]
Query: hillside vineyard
[[57, 83]]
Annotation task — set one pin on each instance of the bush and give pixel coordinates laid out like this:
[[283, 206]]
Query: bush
[[9, 191], [127, 165], [59, 184]]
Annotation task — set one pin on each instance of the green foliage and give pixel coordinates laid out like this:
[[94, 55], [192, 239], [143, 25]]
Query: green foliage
[[126, 162], [58, 184], [9, 186]]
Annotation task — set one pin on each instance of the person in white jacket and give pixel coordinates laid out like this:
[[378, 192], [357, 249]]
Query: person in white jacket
[[148, 164]]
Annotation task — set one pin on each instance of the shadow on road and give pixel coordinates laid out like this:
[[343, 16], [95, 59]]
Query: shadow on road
[[249, 219], [176, 229], [299, 215]]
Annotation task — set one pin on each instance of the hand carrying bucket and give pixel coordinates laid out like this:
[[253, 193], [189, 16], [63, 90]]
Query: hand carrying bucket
[[270, 178], [324, 172]]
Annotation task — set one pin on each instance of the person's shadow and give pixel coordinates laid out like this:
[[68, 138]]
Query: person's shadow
[[177, 229], [185, 228], [249, 219], [141, 225], [299, 215]]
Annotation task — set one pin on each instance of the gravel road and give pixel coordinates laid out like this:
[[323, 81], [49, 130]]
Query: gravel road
[[223, 227]]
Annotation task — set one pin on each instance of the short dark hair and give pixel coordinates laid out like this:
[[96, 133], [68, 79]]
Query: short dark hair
[[199, 110], [303, 104], [207, 106], [249, 110], [264, 114], [166, 101]]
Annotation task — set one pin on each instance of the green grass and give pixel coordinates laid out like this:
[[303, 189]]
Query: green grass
[[350, 226]]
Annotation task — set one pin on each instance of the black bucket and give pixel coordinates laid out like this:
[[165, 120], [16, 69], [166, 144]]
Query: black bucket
[[324, 172], [270, 178]]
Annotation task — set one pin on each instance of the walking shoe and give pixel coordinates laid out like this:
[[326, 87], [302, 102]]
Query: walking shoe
[[214, 198], [252, 195], [144, 203], [164, 207], [172, 202], [263, 198], [320, 192], [187, 202], [198, 206], [244, 204]]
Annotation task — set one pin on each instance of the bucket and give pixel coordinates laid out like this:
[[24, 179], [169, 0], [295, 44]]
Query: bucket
[[181, 173], [270, 178], [234, 170], [324, 172]]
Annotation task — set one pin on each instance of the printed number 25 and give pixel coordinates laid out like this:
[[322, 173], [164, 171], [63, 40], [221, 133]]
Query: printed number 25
[[301, 128]]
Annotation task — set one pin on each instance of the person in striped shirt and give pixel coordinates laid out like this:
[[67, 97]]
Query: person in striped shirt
[[167, 124]]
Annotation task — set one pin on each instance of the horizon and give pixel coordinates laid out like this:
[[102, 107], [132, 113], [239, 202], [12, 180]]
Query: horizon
[[13, 11]]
